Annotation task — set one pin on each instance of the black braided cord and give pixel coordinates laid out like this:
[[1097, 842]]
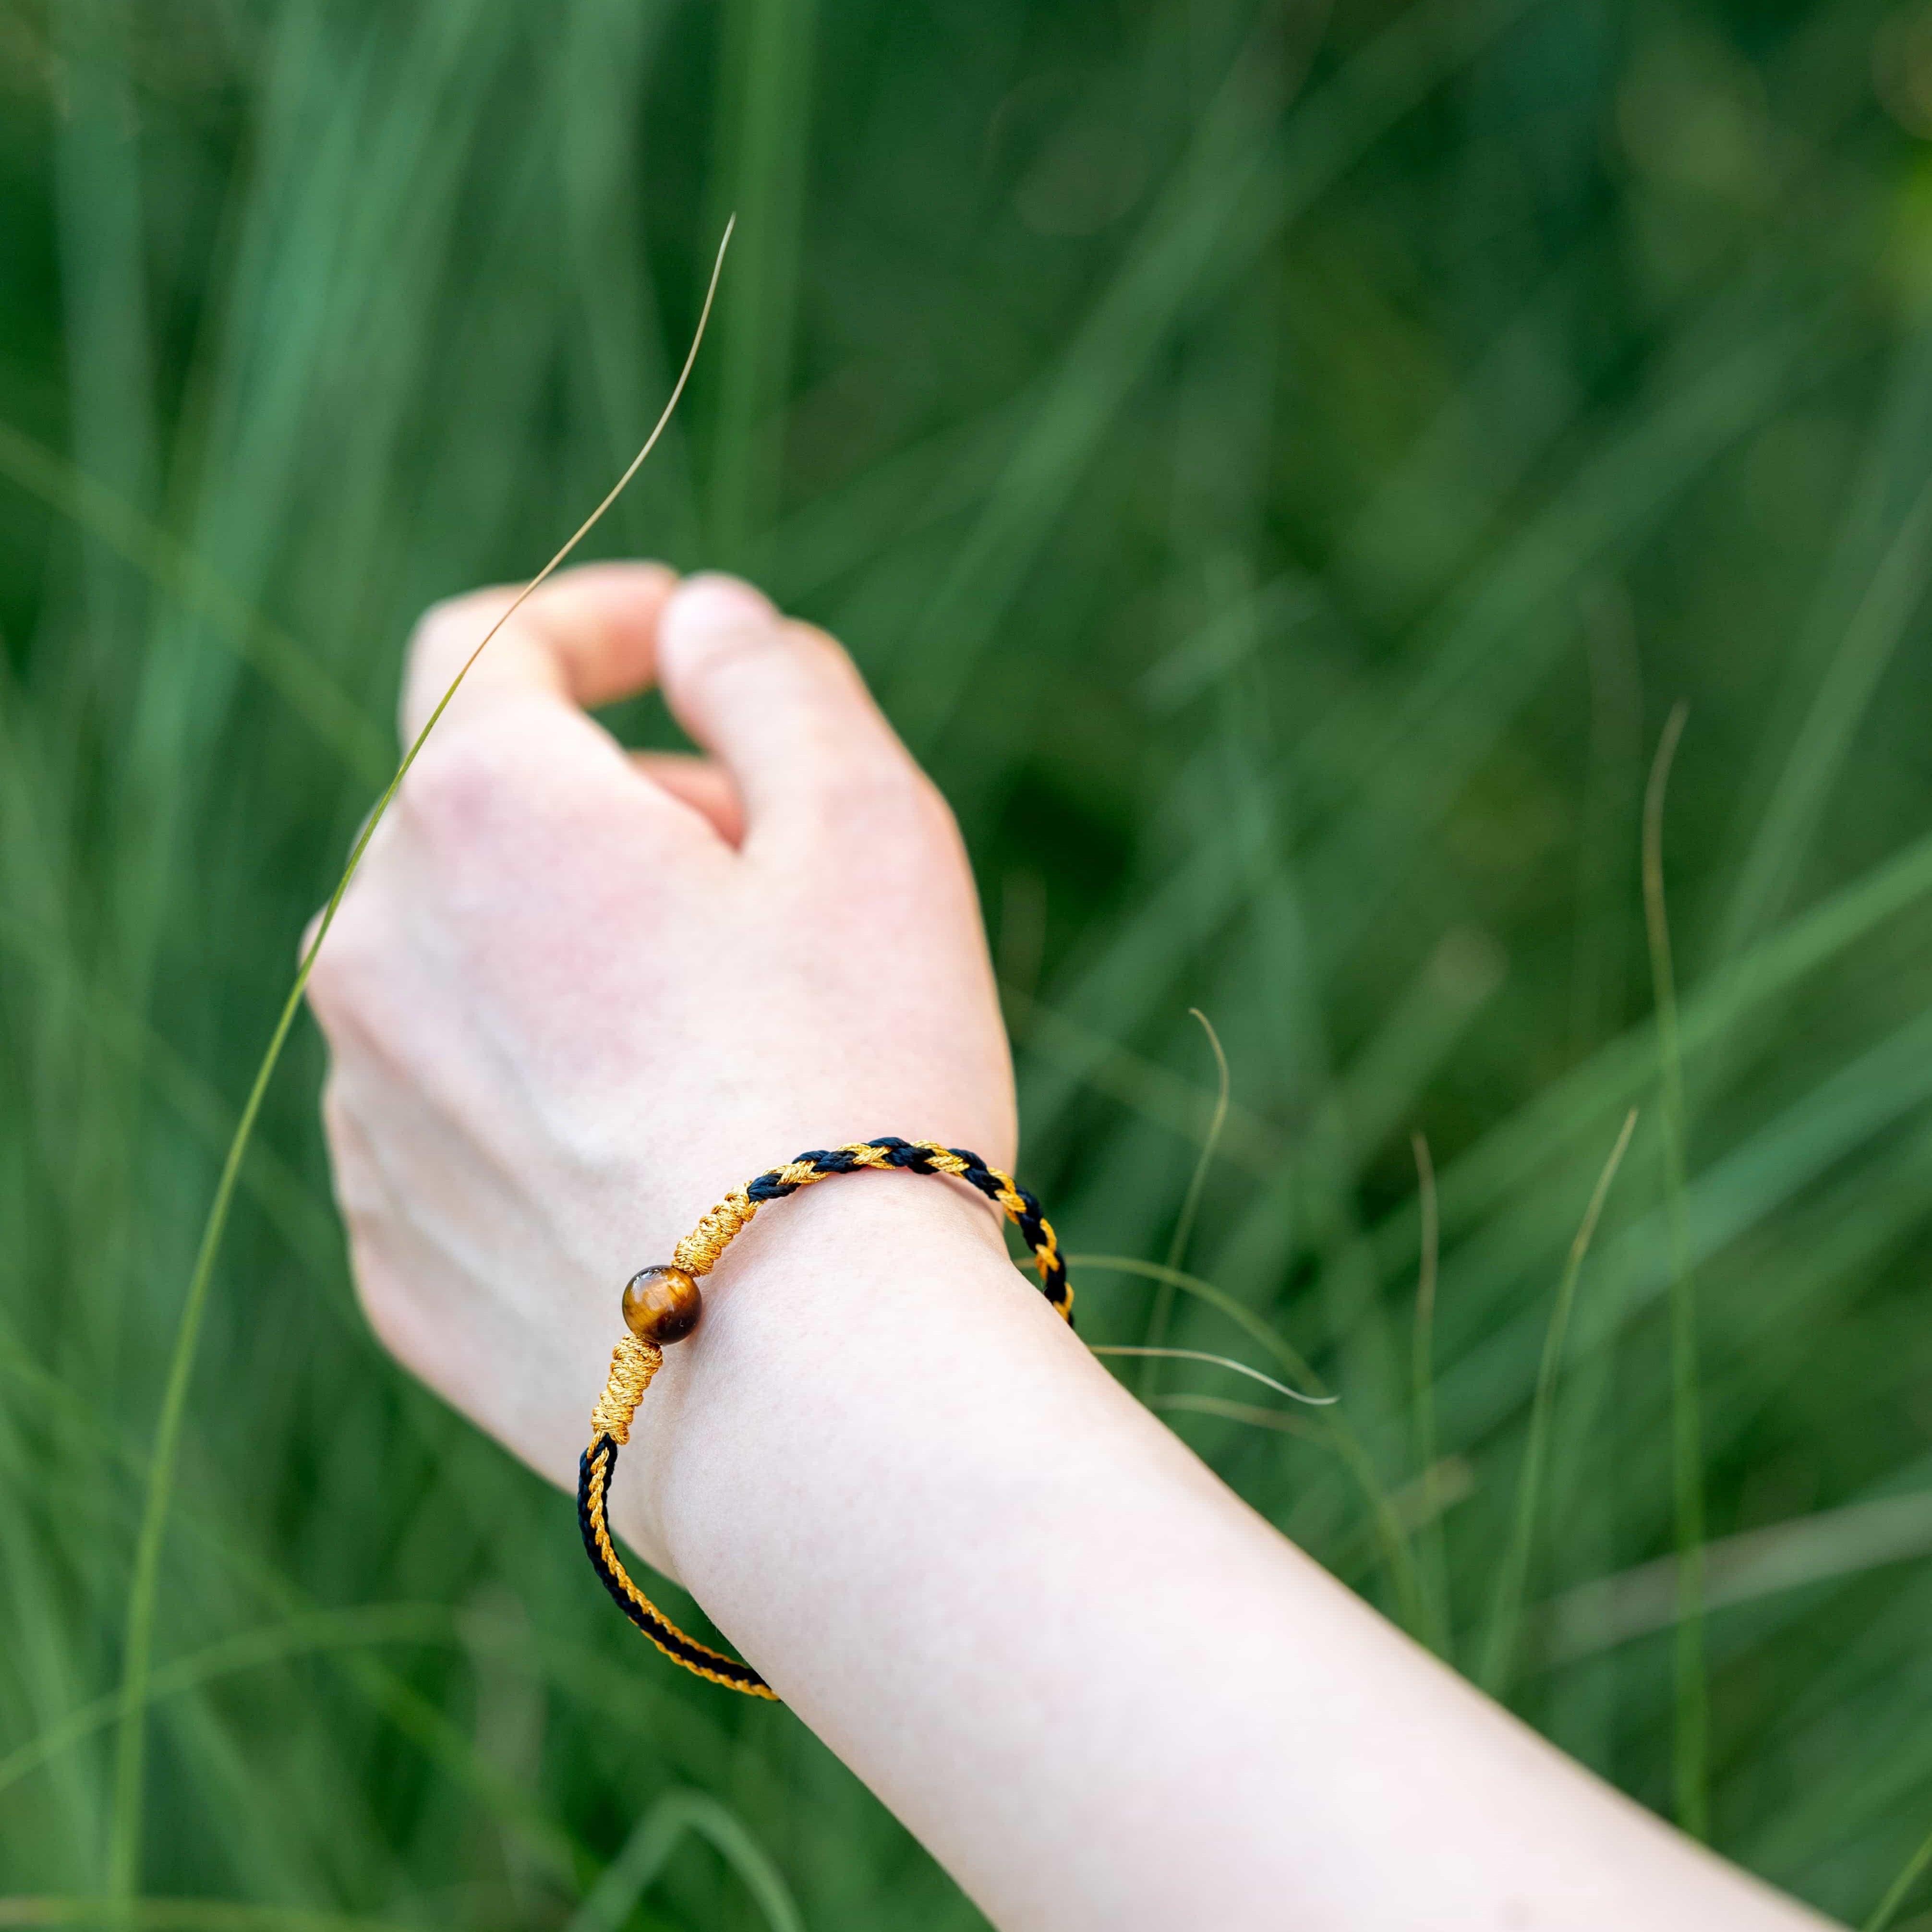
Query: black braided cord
[[911, 1158], [598, 1463], [594, 1470]]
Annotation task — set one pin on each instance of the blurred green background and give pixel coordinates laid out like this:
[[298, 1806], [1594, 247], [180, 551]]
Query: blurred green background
[[1281, 466]]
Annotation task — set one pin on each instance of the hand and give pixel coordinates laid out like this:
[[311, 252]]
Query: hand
[[574, 995], [575, 998]]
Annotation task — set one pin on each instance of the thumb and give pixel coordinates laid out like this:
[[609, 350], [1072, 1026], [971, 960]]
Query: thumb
[[779, 703]]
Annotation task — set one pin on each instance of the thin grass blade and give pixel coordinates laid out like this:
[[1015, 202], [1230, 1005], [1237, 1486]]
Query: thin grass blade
[[1507, 1616], [125, 1849]]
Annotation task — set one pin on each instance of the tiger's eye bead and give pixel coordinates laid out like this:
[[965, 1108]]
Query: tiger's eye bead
[[661, 1304]]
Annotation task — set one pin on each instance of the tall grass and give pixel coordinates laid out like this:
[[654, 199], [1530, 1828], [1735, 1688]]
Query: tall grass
[[1281, 467]]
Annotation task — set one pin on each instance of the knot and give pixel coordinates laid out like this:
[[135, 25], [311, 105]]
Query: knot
[[632, 1365], [697, 1253]]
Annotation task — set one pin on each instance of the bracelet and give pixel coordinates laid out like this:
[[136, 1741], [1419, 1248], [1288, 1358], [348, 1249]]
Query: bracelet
[[662, 1305]]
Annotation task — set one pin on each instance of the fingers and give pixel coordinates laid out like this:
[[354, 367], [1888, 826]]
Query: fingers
[[802, 747], [781, 705], [705, 787], [585, 637]]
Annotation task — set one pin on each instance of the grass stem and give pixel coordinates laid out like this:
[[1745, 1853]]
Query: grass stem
[[1432, 1569], [1507, 1617], [1900, 1887], [1163, 1313], [1219, 1361], [612, 1900], [1691, 1751]]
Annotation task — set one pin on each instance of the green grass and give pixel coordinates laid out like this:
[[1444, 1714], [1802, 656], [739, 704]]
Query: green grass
[[1281, 470]]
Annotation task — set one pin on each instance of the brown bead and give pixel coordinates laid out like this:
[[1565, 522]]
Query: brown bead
[[661, 1304]]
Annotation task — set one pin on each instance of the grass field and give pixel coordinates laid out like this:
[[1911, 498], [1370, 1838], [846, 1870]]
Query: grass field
[[1290, 471]]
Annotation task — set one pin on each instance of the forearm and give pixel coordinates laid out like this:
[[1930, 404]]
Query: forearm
[[572, 992], [1097, 1686]]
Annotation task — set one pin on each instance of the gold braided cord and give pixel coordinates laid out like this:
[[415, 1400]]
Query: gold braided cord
[[633, 1363]]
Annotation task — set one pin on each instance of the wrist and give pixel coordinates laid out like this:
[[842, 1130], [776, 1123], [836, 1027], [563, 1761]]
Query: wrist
[[880, 1267]]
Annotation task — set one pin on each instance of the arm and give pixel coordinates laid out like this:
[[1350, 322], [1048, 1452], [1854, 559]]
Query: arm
[[576, 997]]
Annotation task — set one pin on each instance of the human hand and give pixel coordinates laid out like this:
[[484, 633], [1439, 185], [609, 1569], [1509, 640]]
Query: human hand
[[575, 995], [573, 998]]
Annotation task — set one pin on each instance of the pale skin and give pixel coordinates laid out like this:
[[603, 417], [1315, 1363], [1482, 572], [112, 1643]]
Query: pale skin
[[574, 996]]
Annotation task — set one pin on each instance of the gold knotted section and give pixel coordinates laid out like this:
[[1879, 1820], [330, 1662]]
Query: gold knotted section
[[632, 1365], [697, 1253]]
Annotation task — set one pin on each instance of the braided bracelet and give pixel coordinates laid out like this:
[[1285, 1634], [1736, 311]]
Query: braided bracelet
[[662, 1304]]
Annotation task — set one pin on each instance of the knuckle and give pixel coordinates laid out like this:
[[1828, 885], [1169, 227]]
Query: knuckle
[[933, 811], [863, 788], [381, 1289], [335, 1127], [355, 1176], [821, 661], [879, 787], [349, 967], [330, 988], [484, 782], [455, 786], [808, 639], [387, 1305]]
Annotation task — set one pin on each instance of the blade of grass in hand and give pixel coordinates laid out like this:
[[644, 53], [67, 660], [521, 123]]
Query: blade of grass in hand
[[125, 1844]]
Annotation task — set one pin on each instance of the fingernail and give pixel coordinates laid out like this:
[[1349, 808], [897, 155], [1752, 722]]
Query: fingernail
[[711, 605]]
